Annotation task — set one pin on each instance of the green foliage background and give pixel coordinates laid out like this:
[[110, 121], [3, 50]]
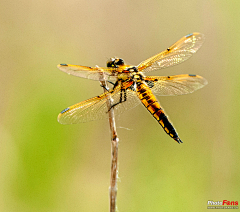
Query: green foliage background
[[49, 167]]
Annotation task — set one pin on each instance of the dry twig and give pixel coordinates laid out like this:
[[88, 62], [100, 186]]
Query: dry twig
[[114, 149]]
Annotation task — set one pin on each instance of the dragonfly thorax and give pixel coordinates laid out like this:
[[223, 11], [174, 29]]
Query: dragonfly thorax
[[135, 74], [130, 73], [138, 77]]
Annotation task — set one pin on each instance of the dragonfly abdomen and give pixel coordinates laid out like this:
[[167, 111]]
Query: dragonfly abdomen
[[151, 103]]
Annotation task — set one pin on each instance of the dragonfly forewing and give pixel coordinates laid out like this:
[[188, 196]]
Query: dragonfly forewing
[[93, 73], [175, 54]]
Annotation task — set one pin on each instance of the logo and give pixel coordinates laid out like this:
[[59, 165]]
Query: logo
[[225, 204]]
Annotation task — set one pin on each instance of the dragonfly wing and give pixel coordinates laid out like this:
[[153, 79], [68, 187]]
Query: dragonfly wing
[[175, 85], [96, 107], [175, 54], [94, 73]]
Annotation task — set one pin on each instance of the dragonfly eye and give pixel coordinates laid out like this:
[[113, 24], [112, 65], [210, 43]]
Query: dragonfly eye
[[109, 63], [115, 62], [119, 62]]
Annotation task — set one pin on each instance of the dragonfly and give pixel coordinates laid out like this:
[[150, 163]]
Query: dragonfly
[[131, 87]]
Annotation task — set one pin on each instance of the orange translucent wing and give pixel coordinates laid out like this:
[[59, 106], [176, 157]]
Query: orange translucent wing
[[175, 54], [175, 85], [94, 73], [96, 107]]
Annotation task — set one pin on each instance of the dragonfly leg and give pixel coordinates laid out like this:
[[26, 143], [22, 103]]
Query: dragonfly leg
[[111, 82], [123, 98], [108, 82], [104, 87]]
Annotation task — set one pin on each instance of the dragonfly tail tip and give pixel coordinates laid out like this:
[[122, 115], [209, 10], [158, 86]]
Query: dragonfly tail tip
[[178, 140]]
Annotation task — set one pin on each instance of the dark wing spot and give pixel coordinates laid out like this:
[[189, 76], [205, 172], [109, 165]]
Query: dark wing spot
[[65, 110], [192, 75], [63, 64], [168, 77], [189, 35], [150, 83], [168, 49]]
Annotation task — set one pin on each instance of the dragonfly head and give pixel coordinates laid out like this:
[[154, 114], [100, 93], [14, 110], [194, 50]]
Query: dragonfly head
[[115, 62]]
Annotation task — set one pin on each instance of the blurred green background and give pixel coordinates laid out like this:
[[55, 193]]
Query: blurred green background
[[46, 166]]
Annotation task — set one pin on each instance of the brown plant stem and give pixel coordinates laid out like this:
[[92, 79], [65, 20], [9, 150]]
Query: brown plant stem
[[114, 150]]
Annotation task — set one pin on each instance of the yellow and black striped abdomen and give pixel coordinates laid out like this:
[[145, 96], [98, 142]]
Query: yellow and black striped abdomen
[[151, 103]]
